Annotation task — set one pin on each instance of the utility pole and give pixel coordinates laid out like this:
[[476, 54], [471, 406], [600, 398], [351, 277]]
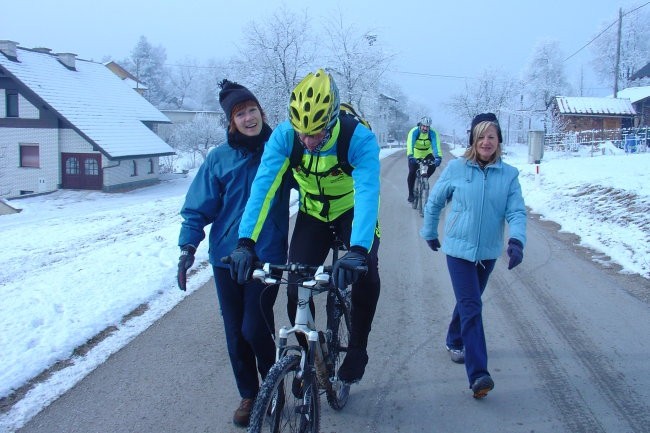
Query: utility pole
[[618, 52]]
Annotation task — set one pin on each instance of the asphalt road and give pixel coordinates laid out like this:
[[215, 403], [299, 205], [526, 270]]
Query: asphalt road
[[568, 344]]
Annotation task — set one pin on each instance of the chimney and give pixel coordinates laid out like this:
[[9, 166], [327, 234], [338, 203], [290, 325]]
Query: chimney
[[42, 50], [8, 48], [68, 60]]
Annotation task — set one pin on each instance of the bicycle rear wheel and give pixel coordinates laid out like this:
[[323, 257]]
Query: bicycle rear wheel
[[338, 336], [286, 403]]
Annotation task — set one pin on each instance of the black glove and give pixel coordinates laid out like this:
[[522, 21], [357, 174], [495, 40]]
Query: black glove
[[434, 244], [347, 270], [515, 252], [242, 261], [185, 262], [412, 160], [437, 161]]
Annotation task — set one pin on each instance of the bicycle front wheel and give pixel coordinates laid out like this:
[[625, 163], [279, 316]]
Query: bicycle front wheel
[[424, 197], [338, 336], [416, 193], [286, 403]]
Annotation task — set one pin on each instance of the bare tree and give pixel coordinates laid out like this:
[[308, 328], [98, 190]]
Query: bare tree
[[198, 136], [183, 82], [634, 49], [493, 91], [277, 54], [358, 63]]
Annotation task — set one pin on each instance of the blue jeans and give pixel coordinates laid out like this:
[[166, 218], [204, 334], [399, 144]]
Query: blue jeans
[[466, 327], [247, 312]]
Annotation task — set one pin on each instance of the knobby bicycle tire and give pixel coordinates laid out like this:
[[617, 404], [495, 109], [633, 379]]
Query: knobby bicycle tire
[[424, 196], [416, 193], [280, 404], [338, 337]]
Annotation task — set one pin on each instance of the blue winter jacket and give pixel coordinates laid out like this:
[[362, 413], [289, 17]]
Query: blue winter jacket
[[363, 155], [218, 196], [481, 202]]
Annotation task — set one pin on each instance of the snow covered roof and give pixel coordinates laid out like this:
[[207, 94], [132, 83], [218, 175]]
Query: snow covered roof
[[635, 94], [594, 106], [93, 100]]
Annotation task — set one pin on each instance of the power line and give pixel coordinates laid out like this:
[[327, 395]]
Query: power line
[[607, 28], [424, 74]]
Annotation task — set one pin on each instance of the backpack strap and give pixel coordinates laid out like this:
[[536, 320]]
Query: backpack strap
[[348, 125], [296, 152]]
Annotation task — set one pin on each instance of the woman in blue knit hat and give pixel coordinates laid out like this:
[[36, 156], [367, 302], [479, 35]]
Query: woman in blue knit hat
[[483, 193], [217, 196]]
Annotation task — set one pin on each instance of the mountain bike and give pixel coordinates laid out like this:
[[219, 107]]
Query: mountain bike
[[421, 187], [289, 398]]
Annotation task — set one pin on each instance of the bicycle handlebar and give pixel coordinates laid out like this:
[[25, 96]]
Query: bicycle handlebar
[[296, 268]]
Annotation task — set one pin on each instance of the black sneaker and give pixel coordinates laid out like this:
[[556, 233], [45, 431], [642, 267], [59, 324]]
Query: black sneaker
[[482, 386], [410, 198], [353, 366]]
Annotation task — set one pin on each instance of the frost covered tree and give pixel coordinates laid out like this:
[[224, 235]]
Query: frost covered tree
[[278, 52], [147, 64], [634, 49], [183, 84], [543, 79], [198, 136], [358, 62], [493, 91]]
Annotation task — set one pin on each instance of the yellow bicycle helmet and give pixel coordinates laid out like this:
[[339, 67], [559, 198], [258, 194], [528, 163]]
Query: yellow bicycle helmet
[[314, 103]]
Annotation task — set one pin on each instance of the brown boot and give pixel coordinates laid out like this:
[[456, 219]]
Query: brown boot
[[242, 415]]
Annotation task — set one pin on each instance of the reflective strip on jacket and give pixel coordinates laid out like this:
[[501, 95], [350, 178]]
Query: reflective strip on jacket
[[361, 191], [419, 145], [481, 202], [218, 195]]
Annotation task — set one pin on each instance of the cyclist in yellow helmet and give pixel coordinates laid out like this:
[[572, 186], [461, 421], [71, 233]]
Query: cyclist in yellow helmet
[[329, 197]]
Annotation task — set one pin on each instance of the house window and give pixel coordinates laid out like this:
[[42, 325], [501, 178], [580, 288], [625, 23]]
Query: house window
[[150, 165], [12, 103], [91, 167], [72, 166], [29, 156], [134, 172]]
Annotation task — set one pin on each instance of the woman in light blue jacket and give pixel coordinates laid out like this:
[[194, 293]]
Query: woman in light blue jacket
[[483, 193]]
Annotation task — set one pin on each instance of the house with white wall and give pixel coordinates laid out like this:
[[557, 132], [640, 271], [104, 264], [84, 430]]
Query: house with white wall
[[68, 123]]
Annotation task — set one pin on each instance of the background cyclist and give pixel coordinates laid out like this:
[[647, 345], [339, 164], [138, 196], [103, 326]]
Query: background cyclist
[[328, 197], [422, 142]]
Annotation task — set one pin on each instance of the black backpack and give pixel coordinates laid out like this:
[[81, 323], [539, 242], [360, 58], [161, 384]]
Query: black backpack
[[349, 120]]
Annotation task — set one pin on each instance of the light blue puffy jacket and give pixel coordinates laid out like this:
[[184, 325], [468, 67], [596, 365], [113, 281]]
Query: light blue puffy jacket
[[481, 202]]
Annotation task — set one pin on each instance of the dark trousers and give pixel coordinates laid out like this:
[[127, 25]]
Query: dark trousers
[[413, 168], [247, 312], [466, 327], [310, 245]]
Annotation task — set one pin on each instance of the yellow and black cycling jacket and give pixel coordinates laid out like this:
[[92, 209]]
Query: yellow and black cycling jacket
[[419, 145], [325, 191]]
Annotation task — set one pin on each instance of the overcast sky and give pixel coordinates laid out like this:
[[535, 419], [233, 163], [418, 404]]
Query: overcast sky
[[437, 42]]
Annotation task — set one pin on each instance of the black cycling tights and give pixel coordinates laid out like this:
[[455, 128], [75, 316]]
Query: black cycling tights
[[310, 244]]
